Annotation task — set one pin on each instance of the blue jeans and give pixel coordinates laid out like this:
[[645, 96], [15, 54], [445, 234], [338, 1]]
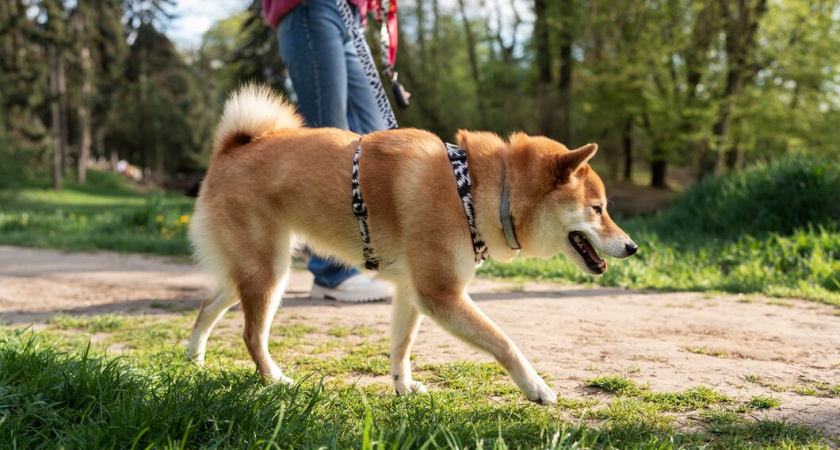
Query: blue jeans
[[331, 88]]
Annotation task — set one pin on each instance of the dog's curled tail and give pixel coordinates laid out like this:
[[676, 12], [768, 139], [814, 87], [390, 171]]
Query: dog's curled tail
[[251, 112]]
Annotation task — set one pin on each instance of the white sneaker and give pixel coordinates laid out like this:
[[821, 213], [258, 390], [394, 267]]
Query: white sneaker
[[356, 289]]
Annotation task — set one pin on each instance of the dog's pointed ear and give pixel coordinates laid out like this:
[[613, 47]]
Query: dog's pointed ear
[[568, 164]]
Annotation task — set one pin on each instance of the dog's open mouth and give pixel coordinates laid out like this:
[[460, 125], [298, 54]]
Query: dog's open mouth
[[587, 252]]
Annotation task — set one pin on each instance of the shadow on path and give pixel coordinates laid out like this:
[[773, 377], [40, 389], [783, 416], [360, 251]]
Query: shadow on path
[[292, 299]]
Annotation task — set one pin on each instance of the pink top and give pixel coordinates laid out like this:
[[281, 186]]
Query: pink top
[[275, 9]]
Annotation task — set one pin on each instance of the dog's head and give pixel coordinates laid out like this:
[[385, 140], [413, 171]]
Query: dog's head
[[562, 205]]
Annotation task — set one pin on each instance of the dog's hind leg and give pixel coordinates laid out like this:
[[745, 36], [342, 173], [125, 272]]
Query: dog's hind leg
[[461, 317], [211, 311], [261, 290], [405, 322]]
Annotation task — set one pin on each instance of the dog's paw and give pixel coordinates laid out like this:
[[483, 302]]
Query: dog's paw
[[198, 359], [275, 375], [411, 387], [278, 379], [541, 393]]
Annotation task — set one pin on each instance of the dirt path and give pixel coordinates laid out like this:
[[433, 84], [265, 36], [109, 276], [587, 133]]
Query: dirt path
[[571, 333]]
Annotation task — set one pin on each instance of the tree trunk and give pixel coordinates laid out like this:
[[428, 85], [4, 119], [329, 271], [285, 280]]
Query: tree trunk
[[471, 47], [627, 144], [435, 26], [711, 156], [542, 42], [741, 34], [144, 149], [735, 157], [83, 110], [62, 111], [158, 176], [657, 173], [566, 64], [100, 141], [421, 32], [56, 117]]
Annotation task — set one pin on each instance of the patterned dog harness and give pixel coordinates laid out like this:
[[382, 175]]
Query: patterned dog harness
[[360, 210], [458, 158]]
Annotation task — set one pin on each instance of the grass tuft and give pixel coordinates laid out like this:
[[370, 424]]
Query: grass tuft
[[616, 384], [707, 351], [763, 402]]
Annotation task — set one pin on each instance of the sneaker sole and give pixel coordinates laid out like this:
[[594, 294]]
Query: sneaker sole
[[320, 293]]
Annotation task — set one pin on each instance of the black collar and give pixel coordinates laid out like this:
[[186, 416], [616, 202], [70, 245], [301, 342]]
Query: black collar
[[507, 217]]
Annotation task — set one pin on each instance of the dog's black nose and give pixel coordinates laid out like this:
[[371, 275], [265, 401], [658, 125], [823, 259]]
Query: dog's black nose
[[631, 248]]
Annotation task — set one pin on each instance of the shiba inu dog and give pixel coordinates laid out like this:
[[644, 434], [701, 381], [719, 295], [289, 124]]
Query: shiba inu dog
[[272, 183]]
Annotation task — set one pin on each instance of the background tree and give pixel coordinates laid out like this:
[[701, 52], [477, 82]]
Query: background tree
[[703, 86]]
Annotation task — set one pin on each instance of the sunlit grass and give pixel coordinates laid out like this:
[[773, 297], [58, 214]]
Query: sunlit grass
[[59, 389], [106, 214]]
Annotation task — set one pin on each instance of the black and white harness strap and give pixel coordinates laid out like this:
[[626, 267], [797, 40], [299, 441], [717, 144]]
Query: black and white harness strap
[[360, 210], [458, 158]]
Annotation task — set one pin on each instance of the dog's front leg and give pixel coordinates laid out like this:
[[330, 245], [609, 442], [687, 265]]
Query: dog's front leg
[[405, 322], [460, 316]]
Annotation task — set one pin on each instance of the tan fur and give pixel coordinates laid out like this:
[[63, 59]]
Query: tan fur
[[272, 182]]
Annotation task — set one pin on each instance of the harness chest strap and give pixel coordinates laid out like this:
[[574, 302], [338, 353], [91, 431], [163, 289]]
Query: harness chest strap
[[458, 159], [360, 210]]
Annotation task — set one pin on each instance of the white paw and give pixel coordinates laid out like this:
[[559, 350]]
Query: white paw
[[276, 376], [285, 380], [279, 379], [540, 392], [409, 387], [197, 359]]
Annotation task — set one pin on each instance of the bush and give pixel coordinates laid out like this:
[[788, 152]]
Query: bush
[[779, 196]]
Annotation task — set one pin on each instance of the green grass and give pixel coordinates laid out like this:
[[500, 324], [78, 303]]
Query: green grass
[[763, 402], [708, 351], [615, 384], [107, 213], [59, 390], [818, 389]]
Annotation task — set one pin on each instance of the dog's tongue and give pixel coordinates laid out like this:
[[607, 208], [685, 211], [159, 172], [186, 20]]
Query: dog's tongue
[[589, 249], [602, 264]]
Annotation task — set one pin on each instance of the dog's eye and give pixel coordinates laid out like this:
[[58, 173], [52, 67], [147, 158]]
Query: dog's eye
[[597, 209]]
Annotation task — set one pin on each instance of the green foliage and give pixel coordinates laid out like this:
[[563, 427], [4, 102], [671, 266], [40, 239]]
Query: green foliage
[[780, 196]]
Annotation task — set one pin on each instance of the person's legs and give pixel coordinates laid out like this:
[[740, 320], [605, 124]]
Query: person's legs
[[363, 114], [312, 46], [312, 40], [328, 273]]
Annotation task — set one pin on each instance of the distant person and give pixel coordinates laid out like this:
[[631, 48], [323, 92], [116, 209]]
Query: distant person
[[332, 91]]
